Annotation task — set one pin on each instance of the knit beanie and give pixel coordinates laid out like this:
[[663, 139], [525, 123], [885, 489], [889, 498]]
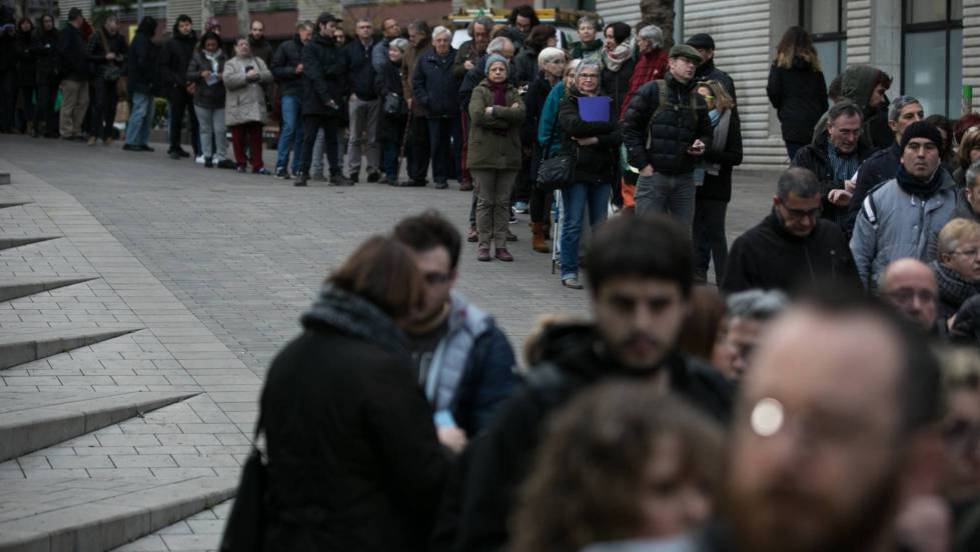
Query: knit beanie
[[494, 58], [922, 129]]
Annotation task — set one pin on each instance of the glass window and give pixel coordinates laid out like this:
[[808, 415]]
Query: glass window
[[922, 72], [932, 64], [925, 11], [832, 55], [955, 82], [821, 17]]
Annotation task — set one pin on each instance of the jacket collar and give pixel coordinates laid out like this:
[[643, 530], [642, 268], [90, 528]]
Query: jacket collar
[[775, 223]]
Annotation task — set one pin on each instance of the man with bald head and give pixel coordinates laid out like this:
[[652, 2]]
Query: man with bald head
[[824, 456], [909, 286]]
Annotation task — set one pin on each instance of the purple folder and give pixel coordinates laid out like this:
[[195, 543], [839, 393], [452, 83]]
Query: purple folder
[[594, 109]]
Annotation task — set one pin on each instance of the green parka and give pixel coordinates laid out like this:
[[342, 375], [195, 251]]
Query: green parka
[[488, 147]]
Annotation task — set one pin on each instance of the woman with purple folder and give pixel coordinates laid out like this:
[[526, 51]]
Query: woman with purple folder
[[592, 137]]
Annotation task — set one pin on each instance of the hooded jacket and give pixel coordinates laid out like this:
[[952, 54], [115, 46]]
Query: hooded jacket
[[858, 84], [768, 257], [175, 57], [894, 224], [144, 75], [815, 158], [799, 95], [288, 55], [348, 379], [571, 362], [595, 163], [661, 139]]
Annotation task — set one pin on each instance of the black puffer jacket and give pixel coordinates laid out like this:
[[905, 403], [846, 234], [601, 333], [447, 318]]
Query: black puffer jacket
[[288, 55], [815, 157], [144, 75], [26, 62], [207, 96], [45, 48], [175, 57], [595, 163], [799, 95], [434, 88], [719, 186], [675, 128], [362, 71], [502, 457], [324, 78], [71, 53]]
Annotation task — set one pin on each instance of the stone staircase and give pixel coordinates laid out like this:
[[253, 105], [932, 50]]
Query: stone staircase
[[120, 413]]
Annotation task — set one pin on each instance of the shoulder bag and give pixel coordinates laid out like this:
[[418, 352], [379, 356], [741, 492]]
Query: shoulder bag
[[246, 523], [558, 171]]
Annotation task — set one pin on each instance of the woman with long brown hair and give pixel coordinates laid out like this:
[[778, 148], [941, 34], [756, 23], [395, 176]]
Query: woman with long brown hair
[[797, 88]]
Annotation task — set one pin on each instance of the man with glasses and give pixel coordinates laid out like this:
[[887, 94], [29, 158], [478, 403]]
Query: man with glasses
[[464, 361], [793, 246], [910, 287], [834, 157], [903, 216]]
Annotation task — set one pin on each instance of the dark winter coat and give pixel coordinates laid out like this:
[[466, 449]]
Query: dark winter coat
[[389, 81], [524, 66], [141, 65], [45, 49], [499, 461], [288, 55], [597, 162], [362, 72], [97, 52], [617, 83], [707, 71], [324, 78], [175, 56], [769, 257], [261, 49], [71, 54], [880, 166], [26, 62], [671, 133], [718, 187], [475, 76], [354, 462], [466, 52], [799, 95], [209, 97], [858, 85], [8, 57], [537, 93], [815, 157], [434, 88], [495, 140]]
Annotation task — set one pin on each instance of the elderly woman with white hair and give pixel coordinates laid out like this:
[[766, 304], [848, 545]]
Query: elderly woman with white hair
[[552, 62], [957, 266], [435, 92]]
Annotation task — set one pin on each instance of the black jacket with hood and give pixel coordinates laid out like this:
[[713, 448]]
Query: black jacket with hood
[[815, 157], [144, 75], [288, 55], [799, 95], [490, 474], [671, 132], [175, 57], [769, 257], [858, 85]]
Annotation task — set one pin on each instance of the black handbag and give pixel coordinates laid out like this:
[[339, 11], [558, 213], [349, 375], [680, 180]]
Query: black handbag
[[556, 172], [394, 104], [246, 523]]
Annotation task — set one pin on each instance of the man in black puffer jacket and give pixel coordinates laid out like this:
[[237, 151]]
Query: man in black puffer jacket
[[174, 59], [678, 133]]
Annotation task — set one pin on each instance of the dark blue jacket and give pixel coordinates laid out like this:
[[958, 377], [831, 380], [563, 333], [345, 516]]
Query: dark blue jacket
[[488, 380], [434, 88], [288, 55], [362, 71], [881, 166]]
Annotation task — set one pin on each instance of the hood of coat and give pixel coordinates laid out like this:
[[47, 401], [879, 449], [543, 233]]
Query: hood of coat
[[356, 316], [858, 83]]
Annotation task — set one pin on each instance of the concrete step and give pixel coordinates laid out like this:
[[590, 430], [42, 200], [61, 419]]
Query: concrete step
[[22, 287], [34, 420], [84, 515], [5, 204], [23, 346], [7, 242]]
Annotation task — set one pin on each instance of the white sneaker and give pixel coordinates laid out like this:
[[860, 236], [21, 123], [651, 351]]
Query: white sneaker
[[199, 160]]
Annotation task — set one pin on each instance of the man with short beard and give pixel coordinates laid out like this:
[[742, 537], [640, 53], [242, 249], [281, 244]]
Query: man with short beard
[[823, 456]]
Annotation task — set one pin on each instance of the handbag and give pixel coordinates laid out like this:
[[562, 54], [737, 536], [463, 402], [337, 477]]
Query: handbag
[[395, 104], [246, 523], [556, 172]]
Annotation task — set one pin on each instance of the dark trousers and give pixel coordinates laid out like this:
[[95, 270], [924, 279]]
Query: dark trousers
[[444, 140], [104, 101], [25, 115], [464, 128], [181, 102], [331, 127], [417, 149], [47, 94], [247, 134], [709, 236]]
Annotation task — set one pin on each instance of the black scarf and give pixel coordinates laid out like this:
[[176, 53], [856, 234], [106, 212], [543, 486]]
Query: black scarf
[[953, 289], [913, 186], [355, 316]]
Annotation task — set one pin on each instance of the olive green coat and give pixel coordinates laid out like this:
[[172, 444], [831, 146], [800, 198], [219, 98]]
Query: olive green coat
[[487, 149]]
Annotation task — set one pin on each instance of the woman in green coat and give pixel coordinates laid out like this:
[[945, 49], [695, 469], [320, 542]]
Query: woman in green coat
[[494, 155]]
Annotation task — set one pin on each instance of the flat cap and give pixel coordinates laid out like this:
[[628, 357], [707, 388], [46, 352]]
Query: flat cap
[[685, 51]]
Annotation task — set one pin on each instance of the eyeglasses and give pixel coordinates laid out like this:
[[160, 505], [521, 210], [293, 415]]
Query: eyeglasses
[[906, 296], [798, 214]]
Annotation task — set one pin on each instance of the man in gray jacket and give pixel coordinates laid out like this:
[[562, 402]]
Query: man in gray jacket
[[902, 217]]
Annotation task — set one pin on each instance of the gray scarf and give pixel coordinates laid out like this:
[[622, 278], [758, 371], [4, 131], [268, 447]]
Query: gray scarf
[[353, 315], [719, 140]]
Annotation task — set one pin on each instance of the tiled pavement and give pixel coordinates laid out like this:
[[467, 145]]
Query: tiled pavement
[[216, 268]]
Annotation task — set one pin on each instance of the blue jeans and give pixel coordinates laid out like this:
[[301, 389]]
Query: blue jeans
[[575, 199], [291, 134], [668, 194], [140, 119]]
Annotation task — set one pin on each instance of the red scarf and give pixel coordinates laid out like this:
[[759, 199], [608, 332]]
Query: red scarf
[[499, 90], [649, 67]]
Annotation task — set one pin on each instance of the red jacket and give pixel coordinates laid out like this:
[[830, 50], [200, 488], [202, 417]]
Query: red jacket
[[649, 66]]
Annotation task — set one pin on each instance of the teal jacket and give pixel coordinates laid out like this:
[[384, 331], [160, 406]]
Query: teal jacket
[[549, 120]]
